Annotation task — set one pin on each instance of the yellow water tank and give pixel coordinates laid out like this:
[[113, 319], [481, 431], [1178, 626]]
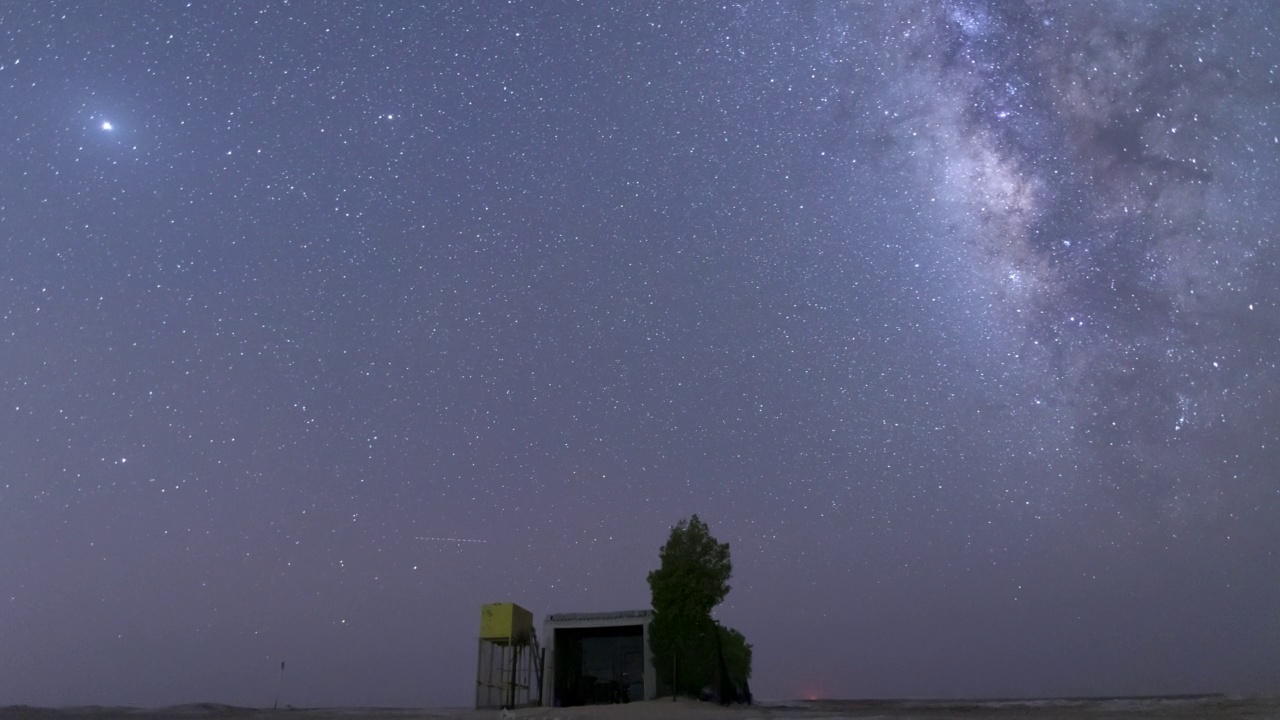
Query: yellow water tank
[[505, 622]]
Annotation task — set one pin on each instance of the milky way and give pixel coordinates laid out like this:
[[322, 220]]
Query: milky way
[[1102, 169]]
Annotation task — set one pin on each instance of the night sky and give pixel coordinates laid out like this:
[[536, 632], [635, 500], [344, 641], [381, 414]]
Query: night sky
[[322, 324]]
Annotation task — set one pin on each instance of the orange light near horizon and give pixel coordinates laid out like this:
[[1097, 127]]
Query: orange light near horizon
[[811, 691]]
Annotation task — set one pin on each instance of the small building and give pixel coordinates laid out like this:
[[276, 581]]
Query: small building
[[596, 658]]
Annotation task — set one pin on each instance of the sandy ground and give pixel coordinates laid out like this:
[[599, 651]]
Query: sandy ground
[[1188, 708]]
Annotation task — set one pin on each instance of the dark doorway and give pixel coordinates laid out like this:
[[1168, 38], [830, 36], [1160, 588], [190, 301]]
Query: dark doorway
[[598, 665]]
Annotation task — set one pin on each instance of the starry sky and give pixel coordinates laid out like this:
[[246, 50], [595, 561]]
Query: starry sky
[[322, 324]]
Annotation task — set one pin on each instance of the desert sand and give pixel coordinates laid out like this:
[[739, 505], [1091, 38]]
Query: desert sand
[[1173, 708]]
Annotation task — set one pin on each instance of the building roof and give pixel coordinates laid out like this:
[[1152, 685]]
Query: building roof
[[638, 615]]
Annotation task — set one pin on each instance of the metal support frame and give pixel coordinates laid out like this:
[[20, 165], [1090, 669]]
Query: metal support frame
[[506, 674]]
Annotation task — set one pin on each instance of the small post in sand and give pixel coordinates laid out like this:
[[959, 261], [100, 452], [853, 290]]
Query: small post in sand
[[279, 682]]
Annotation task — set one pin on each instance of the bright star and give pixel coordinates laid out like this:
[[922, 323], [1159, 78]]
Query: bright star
[[106, 125]]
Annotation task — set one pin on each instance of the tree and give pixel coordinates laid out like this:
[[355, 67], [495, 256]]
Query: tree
[[692, 578], [737, 658]]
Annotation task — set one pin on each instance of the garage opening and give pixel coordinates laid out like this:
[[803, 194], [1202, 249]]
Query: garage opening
[[599, 665]]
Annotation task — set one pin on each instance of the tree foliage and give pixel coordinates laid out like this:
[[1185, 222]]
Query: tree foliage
[[692, 578], [737, 655]]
